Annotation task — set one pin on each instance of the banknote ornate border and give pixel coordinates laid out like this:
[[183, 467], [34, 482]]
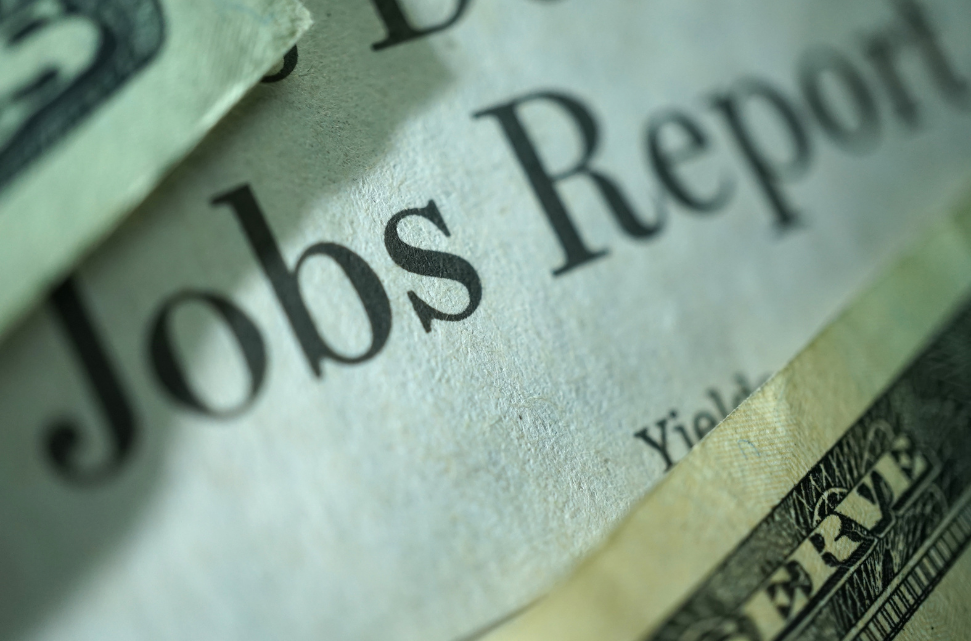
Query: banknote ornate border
[[858, 544], [63, 59]]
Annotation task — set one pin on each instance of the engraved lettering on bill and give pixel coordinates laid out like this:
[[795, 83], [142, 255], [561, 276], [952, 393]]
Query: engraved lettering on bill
[[864, 537], [59, 60]]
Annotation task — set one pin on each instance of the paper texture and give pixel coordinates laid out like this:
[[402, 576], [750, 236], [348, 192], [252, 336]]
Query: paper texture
[[834, 503], [201, 443], [98, 99]]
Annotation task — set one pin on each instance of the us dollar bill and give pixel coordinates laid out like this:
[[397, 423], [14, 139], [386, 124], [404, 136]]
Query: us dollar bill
[[835, 503], [98, 99]]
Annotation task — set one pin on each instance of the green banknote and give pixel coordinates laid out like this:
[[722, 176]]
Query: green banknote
[[98, 99]]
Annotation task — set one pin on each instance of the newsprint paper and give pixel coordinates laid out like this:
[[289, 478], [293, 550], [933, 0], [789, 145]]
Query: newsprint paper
[[445, 295], [834, 504]]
